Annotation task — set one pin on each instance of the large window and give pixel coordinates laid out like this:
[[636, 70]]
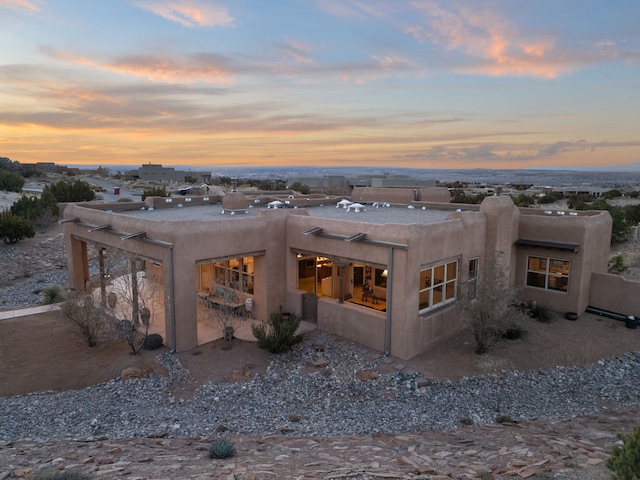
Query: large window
[[236, 273], [438, 285], [548, 273]]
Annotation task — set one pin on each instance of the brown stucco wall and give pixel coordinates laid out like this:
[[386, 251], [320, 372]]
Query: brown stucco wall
[[615, 293], [591, 232]]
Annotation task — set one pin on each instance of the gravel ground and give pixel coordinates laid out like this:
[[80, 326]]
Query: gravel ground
[[329, 402]]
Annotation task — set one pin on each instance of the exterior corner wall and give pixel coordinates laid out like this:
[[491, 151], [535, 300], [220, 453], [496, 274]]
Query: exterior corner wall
[[591, 233], [503, 219], [615, 293]]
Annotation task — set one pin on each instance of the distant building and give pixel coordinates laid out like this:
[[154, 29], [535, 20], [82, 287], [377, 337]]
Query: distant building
[[157, 173], [341, 185]]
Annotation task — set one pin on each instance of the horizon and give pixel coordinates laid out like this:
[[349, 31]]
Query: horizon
[[491, 84]]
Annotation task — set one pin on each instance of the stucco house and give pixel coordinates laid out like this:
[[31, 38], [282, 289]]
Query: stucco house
[[386, 273]]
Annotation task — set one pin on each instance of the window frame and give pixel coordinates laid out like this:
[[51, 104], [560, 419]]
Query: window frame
[[472, 281], [438, 288], [548, 274]]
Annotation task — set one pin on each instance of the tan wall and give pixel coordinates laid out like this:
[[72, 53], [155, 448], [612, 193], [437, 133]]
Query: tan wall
[[615, 293], [591, 232], [357, 324]]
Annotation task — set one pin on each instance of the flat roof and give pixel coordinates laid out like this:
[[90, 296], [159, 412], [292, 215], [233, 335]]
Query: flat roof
[[380, 215]]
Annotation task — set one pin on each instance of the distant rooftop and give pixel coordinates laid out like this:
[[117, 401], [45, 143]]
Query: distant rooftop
[[380, 215]]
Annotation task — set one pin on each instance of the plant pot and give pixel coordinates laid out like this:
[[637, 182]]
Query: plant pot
[[571, 316]]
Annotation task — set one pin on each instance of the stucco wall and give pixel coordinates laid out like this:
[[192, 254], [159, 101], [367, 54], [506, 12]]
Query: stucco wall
[[360, 325], [591, 232], [615, 293]]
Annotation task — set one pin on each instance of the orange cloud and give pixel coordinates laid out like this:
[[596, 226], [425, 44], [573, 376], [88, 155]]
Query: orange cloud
[[189, 13], [198, 67], [25, 5], [491, 39]]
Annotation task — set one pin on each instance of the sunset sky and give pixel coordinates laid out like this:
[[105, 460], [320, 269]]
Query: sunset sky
[[421, 83]]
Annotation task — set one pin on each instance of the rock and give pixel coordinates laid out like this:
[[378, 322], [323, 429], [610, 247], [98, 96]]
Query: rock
[[318, 363], [367, 374], [135, 372]]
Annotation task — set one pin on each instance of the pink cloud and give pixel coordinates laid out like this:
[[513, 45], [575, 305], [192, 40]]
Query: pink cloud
[[24, 5], [191, 68], [189, 13], [495, 44]]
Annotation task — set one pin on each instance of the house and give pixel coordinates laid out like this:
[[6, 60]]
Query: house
[[386, 275]]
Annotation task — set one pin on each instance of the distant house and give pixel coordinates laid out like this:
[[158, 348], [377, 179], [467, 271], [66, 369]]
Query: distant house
[[386, 274], [158, 173]]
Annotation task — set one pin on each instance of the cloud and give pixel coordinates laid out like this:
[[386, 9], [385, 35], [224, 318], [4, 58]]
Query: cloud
[[204, 67], [189, 13], [33, 6], [357, 9], [298, 51]]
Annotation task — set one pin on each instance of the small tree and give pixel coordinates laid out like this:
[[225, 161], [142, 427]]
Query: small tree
[[72, 191], [14, 228], [132, 300], [226, 316], [11, 181], [278, 335], [84, 318], [493, 312], [625, 461]]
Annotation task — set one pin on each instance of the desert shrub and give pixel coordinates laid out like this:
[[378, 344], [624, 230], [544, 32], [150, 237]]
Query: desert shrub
[[278, 335], [82, 317], [71, 191], [514, 331], [50, 474], [125, 200], [11, 181], [504, 419], [616, 263], [52, 295], [13, 228], [539, 312], [466, 421], [494, 311], [153, 341], [155, 192], [625, 461], [221, 448]]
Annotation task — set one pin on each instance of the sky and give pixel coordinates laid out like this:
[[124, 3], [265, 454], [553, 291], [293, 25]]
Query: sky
[[505, 84]]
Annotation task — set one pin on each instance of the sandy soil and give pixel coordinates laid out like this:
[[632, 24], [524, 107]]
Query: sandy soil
[[37, 353]]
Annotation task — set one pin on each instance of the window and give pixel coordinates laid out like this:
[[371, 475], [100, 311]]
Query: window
[[548, 273], [472, 285], [438, 285]]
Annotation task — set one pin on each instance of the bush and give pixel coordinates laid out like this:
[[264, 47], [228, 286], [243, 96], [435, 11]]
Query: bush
[[82, 317], [13, 228], [539, 312], [59, 475], [494, 313], [155, 192], [52, 295], [153, 341], [71, 191], [625, 461], [221, 448], [11, 181], [278, 335]]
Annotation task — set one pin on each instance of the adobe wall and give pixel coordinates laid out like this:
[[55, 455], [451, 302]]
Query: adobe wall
[[615, 293], [193, 242], [460, 238], [591, 232], [353, 323], [503, 219]]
